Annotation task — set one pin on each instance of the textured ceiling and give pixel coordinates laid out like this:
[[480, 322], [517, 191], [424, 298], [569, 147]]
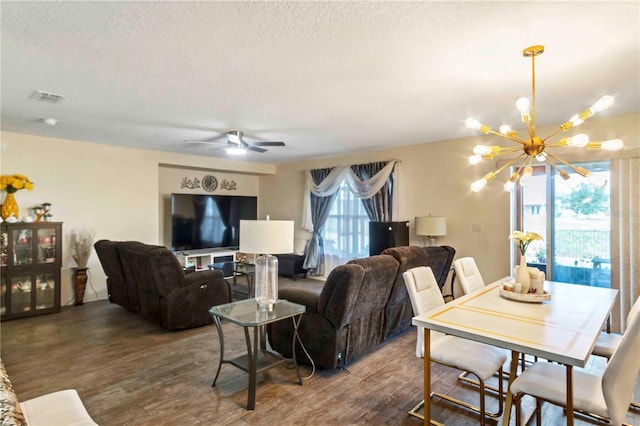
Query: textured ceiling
[[324, 77]]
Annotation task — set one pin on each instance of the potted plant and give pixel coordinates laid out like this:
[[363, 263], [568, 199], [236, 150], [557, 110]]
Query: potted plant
[[81, 246]]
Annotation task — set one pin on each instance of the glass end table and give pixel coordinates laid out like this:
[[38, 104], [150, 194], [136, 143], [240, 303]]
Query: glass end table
[[247, 314], [235, 269]]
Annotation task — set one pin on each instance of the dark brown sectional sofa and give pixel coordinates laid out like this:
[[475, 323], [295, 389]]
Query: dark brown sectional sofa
[[149, 280], [361, 305]]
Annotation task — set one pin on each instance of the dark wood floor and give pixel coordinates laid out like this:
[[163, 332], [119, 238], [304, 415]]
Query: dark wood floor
[[129, 371]]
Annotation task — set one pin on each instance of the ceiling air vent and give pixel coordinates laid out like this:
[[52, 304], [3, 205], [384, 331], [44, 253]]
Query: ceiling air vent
[[42, 96]]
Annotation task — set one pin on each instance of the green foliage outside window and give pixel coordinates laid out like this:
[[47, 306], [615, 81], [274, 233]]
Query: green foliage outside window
[[587, 200]]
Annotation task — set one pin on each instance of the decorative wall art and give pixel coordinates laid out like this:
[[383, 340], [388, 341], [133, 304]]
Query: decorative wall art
[[190, 184], [228, 185]]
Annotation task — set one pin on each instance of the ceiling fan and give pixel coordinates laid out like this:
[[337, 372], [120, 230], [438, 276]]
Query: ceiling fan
[[236, 145]]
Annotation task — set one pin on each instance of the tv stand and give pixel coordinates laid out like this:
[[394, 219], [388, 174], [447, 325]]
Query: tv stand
[[200, 259]]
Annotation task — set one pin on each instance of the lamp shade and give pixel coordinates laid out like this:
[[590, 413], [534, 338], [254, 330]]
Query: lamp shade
[[430, 226], [266, 236]]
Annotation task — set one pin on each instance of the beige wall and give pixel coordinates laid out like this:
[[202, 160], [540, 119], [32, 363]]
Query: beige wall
[[170, 182], [434, 179], [121, 193], [112, 190]]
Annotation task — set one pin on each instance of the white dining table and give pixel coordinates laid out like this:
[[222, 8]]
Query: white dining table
[[563, 329]]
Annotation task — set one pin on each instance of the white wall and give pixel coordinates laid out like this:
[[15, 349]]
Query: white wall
[[112, 190], [434, 179]]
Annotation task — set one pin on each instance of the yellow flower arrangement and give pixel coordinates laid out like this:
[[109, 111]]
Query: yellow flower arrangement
[[523, 239], [15, 182]]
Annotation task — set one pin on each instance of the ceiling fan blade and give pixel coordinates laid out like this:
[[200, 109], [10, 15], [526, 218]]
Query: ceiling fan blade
[[267, 144], [207, 142], [255, 148]]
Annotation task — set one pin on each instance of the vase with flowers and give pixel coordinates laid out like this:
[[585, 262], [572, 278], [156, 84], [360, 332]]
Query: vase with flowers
[[522, 240], [12, 184], [81, 245]]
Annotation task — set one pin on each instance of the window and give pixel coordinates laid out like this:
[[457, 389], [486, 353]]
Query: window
[[346, 233], [574, 217]]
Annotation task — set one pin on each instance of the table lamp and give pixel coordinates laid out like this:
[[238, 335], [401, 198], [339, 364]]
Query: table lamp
[[266, 237], [431, 227]]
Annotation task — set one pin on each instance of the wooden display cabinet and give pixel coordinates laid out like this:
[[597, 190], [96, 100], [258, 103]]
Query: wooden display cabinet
[[30, 262]]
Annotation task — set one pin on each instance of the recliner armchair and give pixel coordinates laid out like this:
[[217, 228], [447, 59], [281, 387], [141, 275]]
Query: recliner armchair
[[162, 290]]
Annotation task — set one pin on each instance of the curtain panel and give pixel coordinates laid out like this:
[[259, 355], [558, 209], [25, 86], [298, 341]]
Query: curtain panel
[[625, 236], [319, 208], [365, 181], [363, 189], [379, 206]]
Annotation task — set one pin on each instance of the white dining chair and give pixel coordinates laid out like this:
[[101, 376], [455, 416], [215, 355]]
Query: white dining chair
[[479, 359], [468, 274], [607, 343], [607, 395]]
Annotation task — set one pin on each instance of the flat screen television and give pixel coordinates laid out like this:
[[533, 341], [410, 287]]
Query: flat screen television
[[209, 221]]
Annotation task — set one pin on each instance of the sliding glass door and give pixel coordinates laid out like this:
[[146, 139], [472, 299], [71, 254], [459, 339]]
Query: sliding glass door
[[574, 218]]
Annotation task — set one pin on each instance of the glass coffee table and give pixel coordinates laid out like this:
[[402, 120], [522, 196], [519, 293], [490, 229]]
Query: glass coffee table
[[246, 314]]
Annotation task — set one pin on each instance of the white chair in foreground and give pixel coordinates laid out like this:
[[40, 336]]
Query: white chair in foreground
[[477, 358], [468, 274], [608, 343], [607, 395]]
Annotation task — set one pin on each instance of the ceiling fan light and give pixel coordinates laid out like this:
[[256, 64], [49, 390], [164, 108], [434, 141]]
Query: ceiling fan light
[[236, 151]]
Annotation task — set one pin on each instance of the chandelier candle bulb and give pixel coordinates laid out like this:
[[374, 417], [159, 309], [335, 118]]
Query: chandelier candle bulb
[[602, 104], [580, 140], [475, 159], [610, 145], [522, 105]]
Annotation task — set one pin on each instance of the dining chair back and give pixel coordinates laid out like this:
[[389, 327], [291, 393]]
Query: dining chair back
[[619, 378], [424, 294], [479, 359], [468, 274], [607, 395], [607, 343]]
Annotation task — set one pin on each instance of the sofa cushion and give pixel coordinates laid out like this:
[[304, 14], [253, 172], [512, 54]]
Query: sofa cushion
[[306, 293], [62, 408], [399, 311], [10, 412]]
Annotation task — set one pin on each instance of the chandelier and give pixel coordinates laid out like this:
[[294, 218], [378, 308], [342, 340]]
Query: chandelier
[[532, 146]]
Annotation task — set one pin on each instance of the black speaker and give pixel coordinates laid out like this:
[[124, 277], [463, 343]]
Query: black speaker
[[387, 234]]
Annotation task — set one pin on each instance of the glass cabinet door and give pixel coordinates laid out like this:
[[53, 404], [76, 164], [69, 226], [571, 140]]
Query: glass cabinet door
[[4, 248], [21, 288], [3, 295], [22, 248], [45, 288], [46, 240]]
